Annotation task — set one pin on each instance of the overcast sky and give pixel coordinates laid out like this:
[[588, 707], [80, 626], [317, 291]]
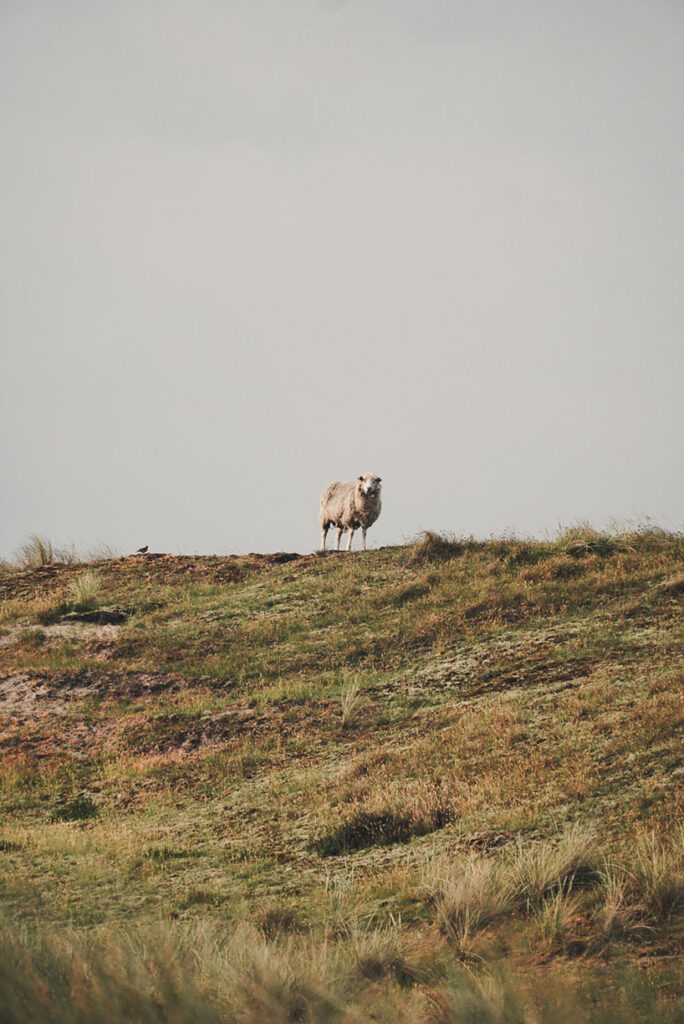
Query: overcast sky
[[251, 247]]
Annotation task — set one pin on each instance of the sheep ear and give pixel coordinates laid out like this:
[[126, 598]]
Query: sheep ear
[[379, 479], [360, 478]]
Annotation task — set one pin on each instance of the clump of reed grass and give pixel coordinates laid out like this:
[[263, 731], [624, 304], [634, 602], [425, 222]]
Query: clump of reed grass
[[84, 591], [37, 550], [46, 610], [31, 638], [279, 919], [343, 909], [556, 914], [542, 867], [210, 972], [103, 552], [657, 869], [12, 609], [616, 914], [583, 540], [378, 950], [467, 895], [438, 547], [350, 701]]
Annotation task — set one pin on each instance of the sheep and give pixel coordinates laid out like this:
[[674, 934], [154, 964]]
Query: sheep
[[348, 505]]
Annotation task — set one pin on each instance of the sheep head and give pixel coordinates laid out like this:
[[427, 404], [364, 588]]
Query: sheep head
[[369, 485]]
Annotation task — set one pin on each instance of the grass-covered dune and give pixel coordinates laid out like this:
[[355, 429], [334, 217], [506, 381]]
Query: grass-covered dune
[[439, 782]]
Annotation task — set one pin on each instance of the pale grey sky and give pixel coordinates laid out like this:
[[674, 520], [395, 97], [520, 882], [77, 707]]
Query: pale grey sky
[[251, 247]]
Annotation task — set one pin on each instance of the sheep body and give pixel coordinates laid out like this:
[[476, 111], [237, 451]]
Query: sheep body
[[349, 505]]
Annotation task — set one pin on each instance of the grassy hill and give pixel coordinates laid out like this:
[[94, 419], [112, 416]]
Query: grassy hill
[[438, 782]]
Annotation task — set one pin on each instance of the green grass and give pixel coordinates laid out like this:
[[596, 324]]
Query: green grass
[[380, 767]]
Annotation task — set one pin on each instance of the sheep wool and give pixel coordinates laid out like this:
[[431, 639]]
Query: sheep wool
[[349, 505]]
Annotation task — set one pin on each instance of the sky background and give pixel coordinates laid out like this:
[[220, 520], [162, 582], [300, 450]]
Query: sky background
[[251, 247]]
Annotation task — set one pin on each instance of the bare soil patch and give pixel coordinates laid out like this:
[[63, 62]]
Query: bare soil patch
[[25, 696]]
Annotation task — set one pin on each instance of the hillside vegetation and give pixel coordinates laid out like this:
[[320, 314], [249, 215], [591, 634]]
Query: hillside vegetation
[[431, 783]]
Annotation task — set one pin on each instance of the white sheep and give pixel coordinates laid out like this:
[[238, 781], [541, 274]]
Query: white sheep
[[348, 505]]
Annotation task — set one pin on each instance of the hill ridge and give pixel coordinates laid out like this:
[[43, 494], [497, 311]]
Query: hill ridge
[[289, 739]]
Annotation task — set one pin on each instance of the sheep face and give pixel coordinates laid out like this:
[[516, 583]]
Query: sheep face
[[369, 484]]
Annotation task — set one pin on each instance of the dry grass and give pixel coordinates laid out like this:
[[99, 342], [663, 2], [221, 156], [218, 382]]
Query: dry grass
[[37, 551], [617, 913], [177, 973], [436, 547], [471, 893], [84, 591], [521, 719], [556, 916], [467, 896], [657, 869], [384, 819], [545, 867], [582, 540], [350, 701]]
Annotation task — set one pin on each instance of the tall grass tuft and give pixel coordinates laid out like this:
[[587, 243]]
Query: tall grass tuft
[[344, 910], [543, 867], [437, 547], [36, 550], [658, 872], [350, 701], [178, 972], [84, 591], [468, 895], [582, 540], [616, 914], [556, 914], [378, 951]]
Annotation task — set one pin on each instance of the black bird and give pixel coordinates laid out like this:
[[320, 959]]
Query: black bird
[[142, 551]]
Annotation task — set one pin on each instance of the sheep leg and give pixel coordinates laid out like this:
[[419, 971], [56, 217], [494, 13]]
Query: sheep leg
[[351, 537], [363, 538], [324, 534], [337, 538]]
